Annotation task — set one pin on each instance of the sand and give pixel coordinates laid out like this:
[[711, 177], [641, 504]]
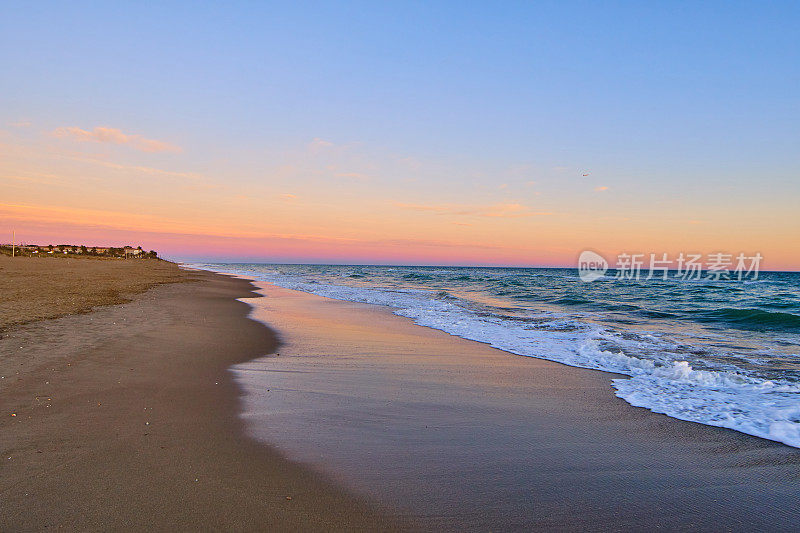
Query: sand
[[126, 418], [462, 436], [129, 417], [37, 288]]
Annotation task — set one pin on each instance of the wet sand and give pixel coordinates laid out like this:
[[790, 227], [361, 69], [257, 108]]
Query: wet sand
[[126, 418], [461, 436]]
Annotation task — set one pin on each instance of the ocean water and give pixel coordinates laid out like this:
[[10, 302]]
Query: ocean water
[[722, 353]]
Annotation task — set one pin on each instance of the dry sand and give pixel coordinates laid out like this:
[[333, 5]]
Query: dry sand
[[126, 417], [36, 288]]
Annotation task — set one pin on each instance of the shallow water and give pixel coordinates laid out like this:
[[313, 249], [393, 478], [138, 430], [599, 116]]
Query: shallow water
[[723, 353]]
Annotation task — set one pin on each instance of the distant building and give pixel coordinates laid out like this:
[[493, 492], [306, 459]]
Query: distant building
[[125, 252]]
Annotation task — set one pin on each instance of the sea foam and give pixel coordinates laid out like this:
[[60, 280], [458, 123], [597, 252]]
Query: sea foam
[[718, 397]]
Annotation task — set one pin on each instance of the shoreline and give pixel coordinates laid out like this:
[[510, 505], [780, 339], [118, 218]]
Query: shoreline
[[683, 387], [128, 417], [155, 414], [461, 435]]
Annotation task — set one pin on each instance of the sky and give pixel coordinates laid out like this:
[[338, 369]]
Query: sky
[[510, 133]]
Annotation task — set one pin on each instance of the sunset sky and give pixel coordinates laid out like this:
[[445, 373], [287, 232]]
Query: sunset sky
[[412, 133]]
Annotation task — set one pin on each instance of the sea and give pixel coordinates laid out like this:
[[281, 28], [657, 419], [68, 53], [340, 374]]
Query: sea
[[718, 352]]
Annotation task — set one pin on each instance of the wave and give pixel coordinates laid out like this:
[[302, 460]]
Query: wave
[[649, 313], [572, 300], [756, 319], [657, 374], [417, 277]]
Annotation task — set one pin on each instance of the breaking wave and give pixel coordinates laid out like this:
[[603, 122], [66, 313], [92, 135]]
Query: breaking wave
[[706, 377]]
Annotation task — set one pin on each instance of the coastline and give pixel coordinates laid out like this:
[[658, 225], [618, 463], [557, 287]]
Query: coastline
[[126, 417], [462, 435], [726, 361], [155, 415]]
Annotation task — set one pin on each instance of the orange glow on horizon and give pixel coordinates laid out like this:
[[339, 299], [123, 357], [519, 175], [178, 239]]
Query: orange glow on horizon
[[325, 204]]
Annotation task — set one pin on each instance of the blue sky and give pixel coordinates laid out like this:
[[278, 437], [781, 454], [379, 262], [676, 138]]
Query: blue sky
[[659, 99]]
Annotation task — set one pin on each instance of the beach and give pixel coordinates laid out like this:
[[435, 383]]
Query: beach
[[204, 401], [126, 417], [459, 435], [404, 266]]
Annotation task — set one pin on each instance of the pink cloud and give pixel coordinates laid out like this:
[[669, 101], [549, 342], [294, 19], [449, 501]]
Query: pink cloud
[[507, 210], [351, 175], [102, 134]]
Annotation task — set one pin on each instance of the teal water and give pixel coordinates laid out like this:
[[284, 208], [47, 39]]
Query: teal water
[[724, 353]]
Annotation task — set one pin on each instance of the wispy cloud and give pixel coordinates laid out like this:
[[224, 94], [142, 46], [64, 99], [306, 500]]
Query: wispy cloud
[[423, 207], [141, 169], [352, 176], [318, 144], [20, 124], [33, 177], [601, 188], [102, 134], [509, 211], [502, 210]]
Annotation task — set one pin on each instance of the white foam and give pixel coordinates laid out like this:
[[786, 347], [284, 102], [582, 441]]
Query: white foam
[[759, 407]]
